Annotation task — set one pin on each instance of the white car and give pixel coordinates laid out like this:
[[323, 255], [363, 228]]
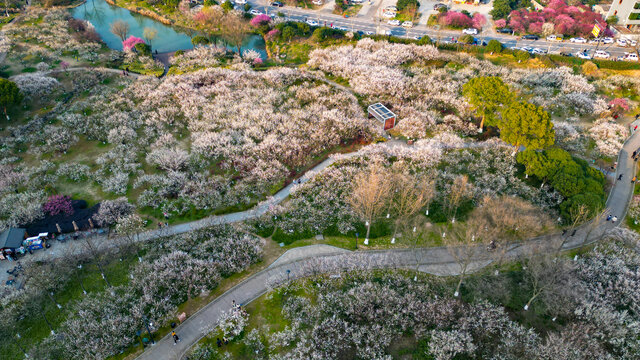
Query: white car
[[417, 37], [368, 32], [621, 42], [240, 1], [341, 28], [255, 12], [583, 55], [607, 40], [407, 24], [632, 42], [389, 14], [601, 54], [538, 51], [394, 22], [527, 49], [317, 2], [470, 31], [312, 22], [554, 38], [631, 57], [391, 8], [578, 40]]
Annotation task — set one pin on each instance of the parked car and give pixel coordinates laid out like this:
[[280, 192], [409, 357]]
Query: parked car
[[341, 28], [391, 8], [554, 38], [527, 49], [368, 32], [530, 37], [621, 42], [470, 31], [538, 51], [583, 55], [505, 31], [607, 40], [578, 40], [631, 57], [417, 37], [255, 12], [632, 42], [317, 2], [312, 22], [388, 14], [601, 54], [240, 1], [439, 6], [394, 22], [407, 24], [277, 4]]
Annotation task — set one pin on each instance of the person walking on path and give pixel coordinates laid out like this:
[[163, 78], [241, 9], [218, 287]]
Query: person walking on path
[[609, 217], [633, 180], [218, 342], [614, 219], [175, 337], [620, 177]]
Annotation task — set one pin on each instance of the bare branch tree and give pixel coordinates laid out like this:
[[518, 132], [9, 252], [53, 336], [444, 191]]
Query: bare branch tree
[[548, 276], [120, 29], [411, 194], [234, 30], [466, 244], [370, 194], [460, 190]]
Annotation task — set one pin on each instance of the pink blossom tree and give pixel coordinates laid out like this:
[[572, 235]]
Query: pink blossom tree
[[501, 23], [456, 20], [479, 20], [131, 42], [260, 20], [57, 204]]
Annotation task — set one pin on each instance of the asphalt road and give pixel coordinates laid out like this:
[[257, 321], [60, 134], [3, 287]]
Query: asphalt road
[[362, 23]]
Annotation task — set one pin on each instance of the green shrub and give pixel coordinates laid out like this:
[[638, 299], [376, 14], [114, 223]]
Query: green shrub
[[425, 40], [521, 55], [178, 53], [143, 49], [199, 40], [227, 5], [402, 4], [209, 2], [466, 39], [322, 33], [494, 46]]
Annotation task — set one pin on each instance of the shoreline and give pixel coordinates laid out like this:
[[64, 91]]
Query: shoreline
[[145, 12]]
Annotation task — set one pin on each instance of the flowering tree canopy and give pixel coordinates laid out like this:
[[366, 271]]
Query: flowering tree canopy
[[58, 204], [131, 42]]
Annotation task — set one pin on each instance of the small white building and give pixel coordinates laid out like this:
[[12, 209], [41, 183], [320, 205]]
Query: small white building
[[383, 114]]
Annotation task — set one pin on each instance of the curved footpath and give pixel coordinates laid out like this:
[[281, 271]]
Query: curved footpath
[[321, 259]]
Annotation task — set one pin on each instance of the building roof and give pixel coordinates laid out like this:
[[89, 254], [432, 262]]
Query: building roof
[[12, 238], [380, 112]]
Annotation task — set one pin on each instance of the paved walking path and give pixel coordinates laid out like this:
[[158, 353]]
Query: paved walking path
[[304, 262]]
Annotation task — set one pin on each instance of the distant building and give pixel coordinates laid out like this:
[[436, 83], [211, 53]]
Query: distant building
[[10, 240], [627, 11], [384, 115]]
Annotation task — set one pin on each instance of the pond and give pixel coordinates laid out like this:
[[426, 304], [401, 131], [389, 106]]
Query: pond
[[169, 38]]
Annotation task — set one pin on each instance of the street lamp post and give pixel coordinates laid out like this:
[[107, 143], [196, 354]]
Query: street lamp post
[[147, 323], [288, 272], [357, 240], [20, 346]]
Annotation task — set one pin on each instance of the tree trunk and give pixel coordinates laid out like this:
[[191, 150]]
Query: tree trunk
[[482, 122], [368, 230]]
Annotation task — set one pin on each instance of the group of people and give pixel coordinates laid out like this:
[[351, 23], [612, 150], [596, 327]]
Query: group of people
[[125, 71], [612, 218]]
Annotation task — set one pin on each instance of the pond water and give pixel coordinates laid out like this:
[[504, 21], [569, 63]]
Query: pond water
[[169, 38]]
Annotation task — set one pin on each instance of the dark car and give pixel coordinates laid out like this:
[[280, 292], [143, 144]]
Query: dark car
[[530, 37], [505, 31], [277, 4]]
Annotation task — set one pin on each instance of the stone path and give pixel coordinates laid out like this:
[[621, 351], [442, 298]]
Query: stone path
[[304, 262]]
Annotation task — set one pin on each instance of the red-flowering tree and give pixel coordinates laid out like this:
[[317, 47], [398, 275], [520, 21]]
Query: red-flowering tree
[[58, 204], [455, 19]]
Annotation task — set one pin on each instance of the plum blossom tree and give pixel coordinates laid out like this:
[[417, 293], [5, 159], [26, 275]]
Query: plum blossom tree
[[58, 204], [131, 42]]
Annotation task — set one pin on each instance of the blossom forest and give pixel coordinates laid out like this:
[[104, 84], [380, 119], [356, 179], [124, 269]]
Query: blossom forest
[[231, 201]]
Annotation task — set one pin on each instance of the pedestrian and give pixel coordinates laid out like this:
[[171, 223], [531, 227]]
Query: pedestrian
[[635, 127], [218, 342], [233, 304], [159, 225], [225, 340], [564, 232], [614, 219], [633, 180], [175, 337], [620, 177], [609, 217], [637, 116], [634, 153], [574, 232], [166, 224]]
